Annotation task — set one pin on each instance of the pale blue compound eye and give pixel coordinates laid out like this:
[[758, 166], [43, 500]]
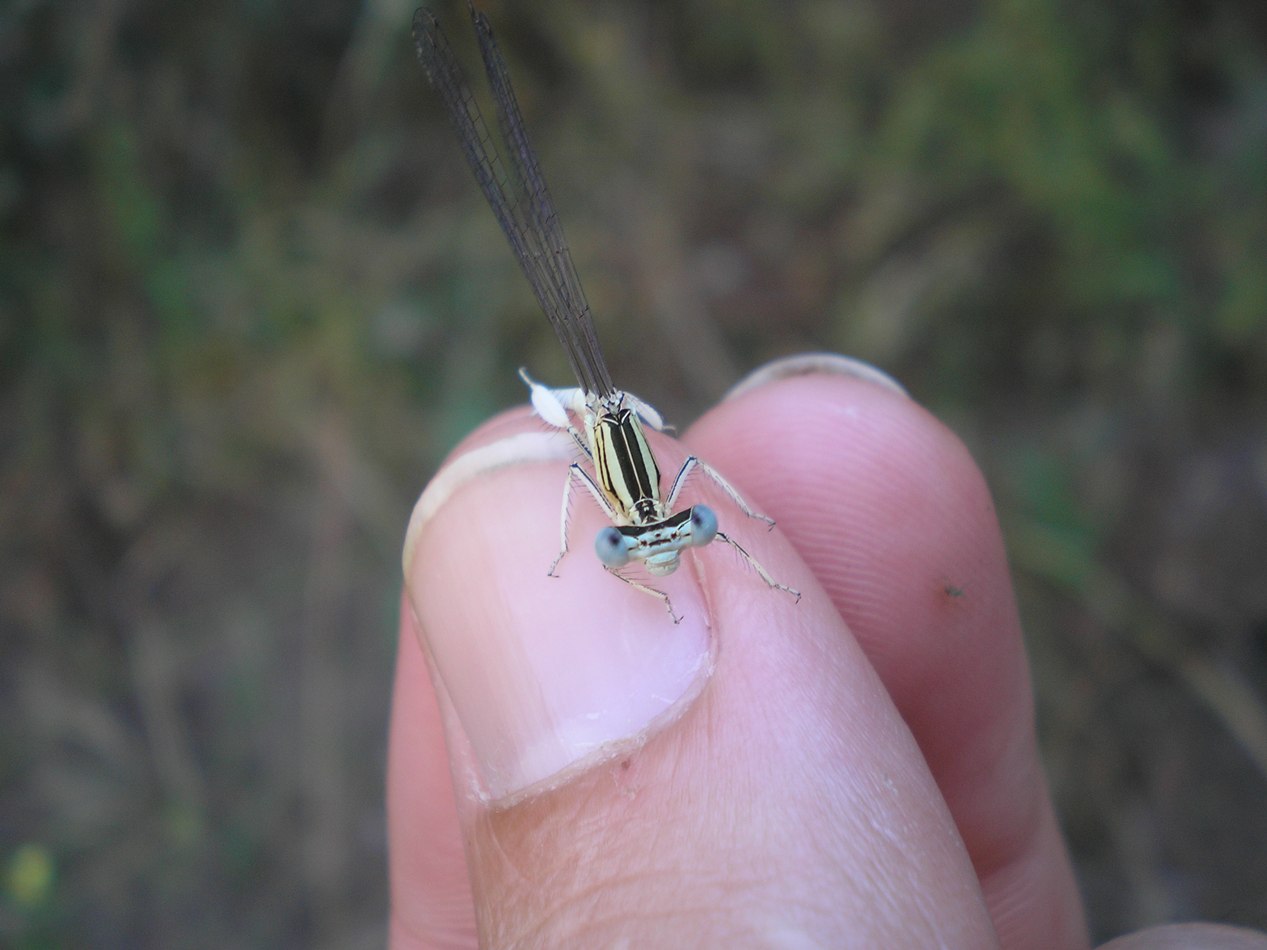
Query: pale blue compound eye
[[612, 549], [703, 525]]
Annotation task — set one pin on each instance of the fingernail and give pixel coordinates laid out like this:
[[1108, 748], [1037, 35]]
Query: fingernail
[[546, 677], [804, 364]]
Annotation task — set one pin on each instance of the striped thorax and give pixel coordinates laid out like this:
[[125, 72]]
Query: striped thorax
[[627, 470]]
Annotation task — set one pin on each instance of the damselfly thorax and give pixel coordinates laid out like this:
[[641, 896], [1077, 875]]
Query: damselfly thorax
[[626, 484]]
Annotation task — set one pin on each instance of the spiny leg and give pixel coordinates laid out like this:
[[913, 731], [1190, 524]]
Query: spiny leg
[[690, 463], [658, 594], [576, 472], [576, 437], [756, 566]]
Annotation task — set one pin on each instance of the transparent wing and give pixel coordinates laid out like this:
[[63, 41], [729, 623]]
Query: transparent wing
[[516, 191]]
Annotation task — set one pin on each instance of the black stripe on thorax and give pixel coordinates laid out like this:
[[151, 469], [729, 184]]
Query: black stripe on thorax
[[636, 473], [673, 522]]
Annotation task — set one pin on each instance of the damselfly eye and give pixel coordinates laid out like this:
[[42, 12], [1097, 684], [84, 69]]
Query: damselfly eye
[[612, 549], [703, 525]]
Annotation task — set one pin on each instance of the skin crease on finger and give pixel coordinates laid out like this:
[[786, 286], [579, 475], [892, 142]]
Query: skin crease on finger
[[432, 904], [690, 840]]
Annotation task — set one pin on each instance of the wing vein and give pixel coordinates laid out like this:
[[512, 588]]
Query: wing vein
[[516, 191]]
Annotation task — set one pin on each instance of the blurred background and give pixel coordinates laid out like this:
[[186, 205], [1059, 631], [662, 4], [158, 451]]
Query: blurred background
[[250, 296]]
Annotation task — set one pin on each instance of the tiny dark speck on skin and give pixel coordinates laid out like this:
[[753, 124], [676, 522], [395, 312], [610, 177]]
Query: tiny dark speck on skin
[[624, 765], [950, 590]]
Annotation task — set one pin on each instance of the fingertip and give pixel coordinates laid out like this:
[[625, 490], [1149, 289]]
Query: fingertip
[[895, 519], [815, 364], [545, 675], [889, 510]]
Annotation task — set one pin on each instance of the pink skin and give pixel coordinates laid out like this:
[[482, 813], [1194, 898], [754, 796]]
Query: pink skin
[[860, 769]]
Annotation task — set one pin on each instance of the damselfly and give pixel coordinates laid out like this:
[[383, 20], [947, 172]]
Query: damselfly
[[626, 480]]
